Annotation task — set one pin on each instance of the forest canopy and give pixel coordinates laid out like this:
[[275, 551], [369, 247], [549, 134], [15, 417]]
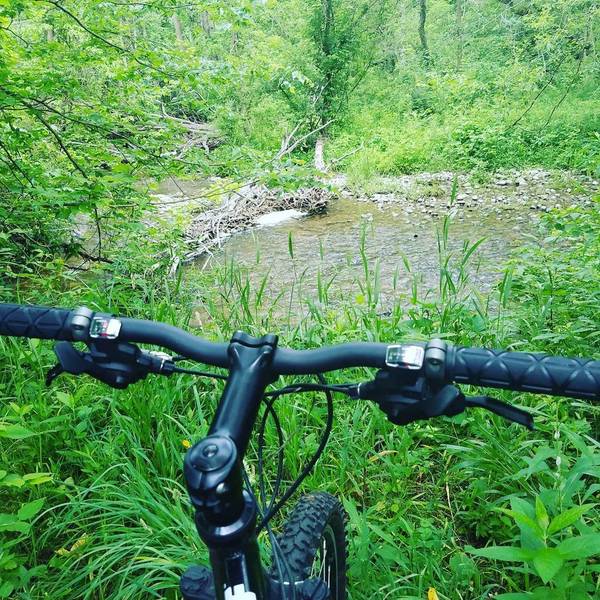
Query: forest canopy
[[95, 96]]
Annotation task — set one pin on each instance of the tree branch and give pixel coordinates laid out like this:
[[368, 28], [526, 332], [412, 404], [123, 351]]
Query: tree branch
[[14, 163], [99, 37], [566, 91], [291, 148], [539, 93], [92, 258], [341, 158], [38, 116], [11, 170]]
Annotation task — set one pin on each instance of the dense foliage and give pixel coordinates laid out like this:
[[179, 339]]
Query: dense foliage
[[92, 484], [100, 98], [96, 96]]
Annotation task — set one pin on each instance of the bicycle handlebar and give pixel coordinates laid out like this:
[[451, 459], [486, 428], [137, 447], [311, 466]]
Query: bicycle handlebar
[[526, 372], [35, 322], [517, 371]]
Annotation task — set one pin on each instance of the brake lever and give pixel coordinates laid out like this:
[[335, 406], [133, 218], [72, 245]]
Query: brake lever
[[70, 360], [412, 402], [512, 413], [408, 401], [116, 364]]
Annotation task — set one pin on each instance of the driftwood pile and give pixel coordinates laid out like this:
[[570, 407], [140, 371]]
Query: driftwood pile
[[240, 209], [204, 135]]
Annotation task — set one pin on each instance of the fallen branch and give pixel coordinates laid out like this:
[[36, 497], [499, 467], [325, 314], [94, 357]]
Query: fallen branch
[[344, 156], [91, 258], [241, 208]]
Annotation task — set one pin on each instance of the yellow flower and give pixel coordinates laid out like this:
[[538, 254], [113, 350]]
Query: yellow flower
[[432, 594], [186, 444]]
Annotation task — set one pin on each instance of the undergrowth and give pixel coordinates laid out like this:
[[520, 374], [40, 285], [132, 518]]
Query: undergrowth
[[482, 138], [90, 478]]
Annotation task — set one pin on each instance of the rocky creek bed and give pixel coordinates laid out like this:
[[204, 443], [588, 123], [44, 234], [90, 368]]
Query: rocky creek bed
[[432, 193], [424, 195], [398, 220]]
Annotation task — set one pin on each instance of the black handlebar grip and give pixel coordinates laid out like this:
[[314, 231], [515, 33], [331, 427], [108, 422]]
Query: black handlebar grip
[[35, 322], [524, 371]]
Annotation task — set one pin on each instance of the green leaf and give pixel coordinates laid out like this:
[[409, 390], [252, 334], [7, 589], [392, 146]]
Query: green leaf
[[29, 510], [14, 431], [11, 523], [541, 514], [37, 478], [12, 480], [509, 553], [568, 517], [547, 562], [581, 546], [6, 589], [65, 398], [522, 519]]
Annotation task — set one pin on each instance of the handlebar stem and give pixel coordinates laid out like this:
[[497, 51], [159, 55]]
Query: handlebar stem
[[225, 512]]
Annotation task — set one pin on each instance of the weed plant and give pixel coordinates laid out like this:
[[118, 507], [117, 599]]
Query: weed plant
[[92, 496]]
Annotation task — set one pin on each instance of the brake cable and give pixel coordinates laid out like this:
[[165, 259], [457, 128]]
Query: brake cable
[[275, 506]]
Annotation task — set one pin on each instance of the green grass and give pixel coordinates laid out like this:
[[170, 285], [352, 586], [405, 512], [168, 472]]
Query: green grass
[[115, 523]]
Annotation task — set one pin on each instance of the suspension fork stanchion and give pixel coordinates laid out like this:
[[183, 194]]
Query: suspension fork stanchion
[[225, 512]]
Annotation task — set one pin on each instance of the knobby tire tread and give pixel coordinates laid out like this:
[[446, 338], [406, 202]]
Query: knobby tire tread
[[301, 538]]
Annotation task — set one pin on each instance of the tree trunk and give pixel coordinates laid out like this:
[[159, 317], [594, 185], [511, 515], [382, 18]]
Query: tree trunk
[[324, 103], [319, 157], [50, 34], [459, 34], [178, 29], [205, 22], [422, 34]]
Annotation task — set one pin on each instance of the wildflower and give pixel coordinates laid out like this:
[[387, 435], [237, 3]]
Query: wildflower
[[432, 594], [186, 444]]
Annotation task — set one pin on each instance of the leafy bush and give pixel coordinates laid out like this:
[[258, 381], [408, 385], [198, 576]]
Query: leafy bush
[[555, 284], [556, 527]]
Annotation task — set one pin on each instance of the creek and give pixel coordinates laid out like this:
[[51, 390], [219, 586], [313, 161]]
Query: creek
[[395, 230]]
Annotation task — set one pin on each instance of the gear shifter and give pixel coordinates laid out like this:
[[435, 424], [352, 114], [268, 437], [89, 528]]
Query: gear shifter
[[116, 364]]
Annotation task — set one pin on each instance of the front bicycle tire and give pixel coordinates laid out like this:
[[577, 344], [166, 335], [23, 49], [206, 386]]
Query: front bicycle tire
[[313, 543]]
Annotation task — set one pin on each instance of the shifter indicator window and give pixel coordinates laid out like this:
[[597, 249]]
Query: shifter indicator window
[[405, 357], [105, 328]]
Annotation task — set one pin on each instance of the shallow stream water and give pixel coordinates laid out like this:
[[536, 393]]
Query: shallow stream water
[[399, 233], [331, 244]]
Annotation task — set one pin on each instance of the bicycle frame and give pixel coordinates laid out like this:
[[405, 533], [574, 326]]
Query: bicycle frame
[[225, 512]]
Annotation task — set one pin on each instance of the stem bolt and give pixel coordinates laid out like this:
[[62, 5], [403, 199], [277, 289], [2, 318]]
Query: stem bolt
[[210, 450]]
